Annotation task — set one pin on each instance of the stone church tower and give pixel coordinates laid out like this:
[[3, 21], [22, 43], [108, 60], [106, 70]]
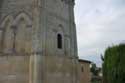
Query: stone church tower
[[38, 42]]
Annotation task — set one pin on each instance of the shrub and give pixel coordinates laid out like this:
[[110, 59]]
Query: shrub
[[114, 64]]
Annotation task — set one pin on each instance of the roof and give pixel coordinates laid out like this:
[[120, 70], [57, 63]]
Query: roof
[[86, 61]]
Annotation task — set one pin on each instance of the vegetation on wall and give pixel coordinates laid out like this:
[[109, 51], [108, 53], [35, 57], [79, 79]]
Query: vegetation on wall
[[114, 64]]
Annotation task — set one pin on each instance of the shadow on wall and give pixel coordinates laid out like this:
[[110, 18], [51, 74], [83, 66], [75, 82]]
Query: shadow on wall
[[1, 2]]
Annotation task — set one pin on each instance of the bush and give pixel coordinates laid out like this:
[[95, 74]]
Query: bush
[[114, 64]]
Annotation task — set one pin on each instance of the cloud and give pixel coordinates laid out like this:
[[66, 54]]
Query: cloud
[[100, 23]]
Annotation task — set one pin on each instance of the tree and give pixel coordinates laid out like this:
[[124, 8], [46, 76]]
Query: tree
[[94, 69], [114, 64]]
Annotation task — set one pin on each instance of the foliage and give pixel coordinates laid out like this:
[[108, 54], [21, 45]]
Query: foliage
[[94, 69], [114, 64]]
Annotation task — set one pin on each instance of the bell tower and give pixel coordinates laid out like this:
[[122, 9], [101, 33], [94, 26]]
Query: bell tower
[[38, 41], [60, 47]]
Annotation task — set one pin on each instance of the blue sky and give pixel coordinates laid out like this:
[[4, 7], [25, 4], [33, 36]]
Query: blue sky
[[99, 23]]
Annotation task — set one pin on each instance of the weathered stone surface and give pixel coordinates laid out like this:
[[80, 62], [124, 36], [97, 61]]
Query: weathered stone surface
[[84, 71], [28, 42], [14, 69]]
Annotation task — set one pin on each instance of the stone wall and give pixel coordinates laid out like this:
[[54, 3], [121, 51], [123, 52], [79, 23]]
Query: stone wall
[[57, 69], [15, 41], [84, 72], [59, 65], [28, 42], [14, 69]]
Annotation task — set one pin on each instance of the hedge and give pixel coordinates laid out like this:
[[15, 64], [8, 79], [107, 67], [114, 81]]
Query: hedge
[[114, 64]]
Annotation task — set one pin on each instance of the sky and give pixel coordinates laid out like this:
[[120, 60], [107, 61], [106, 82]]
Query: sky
[[99, 24]]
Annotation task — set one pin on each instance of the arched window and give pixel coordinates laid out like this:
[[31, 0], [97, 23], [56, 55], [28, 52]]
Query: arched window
[[59, 41], [23, 23], [7, 35]]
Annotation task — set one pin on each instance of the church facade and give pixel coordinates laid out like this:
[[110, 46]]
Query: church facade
[[38, 42]]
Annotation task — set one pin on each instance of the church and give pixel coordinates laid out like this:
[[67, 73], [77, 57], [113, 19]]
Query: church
[[38, 42]]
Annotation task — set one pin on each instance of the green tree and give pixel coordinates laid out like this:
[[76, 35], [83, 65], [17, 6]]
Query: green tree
[[114, 64], [94, 69]]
